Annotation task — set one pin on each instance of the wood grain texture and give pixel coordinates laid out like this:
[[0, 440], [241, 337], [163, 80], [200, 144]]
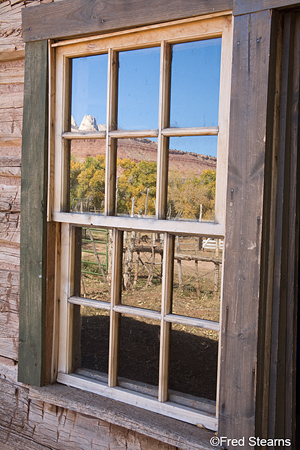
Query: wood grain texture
[[33, 215], [10, 255], [78, 17], [246, 7], [294, 239], [40, 422], [9, 198], [11, 104], [246, 169], [12, 72], [9, 320], [11, 40], [8, 369], [151, 425], [281, 420]]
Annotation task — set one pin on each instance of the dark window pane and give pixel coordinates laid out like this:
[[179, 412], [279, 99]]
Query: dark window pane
[[192, 177], [138, 89], [193, 361], [139, 350], [142, 269], [197, 277], [89, 93], [195, 81], [94, 339]]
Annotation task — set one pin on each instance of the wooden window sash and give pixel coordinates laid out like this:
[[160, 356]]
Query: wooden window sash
[[180, 227], [221, 27], [170, 409], [218, 27]]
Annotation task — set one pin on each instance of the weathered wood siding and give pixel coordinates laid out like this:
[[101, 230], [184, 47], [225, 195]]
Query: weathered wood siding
[[29, 424], [25, 423]]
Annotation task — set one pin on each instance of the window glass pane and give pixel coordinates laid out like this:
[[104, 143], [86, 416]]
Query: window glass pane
[[193, 361], [138, 91], [93, 256], [192, 177], [197, 277], [94, 336], [195, 81], [136, 177], [139, 350], [87, 175], [142, 269], [89, 93]]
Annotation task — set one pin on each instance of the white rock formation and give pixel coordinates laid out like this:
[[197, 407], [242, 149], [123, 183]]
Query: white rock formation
[[102, 127], [88, 123], [74, 126]]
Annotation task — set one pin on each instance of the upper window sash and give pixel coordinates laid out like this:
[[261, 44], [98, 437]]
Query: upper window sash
[[164, 36]]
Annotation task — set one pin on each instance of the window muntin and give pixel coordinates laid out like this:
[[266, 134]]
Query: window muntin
[[112, 384]]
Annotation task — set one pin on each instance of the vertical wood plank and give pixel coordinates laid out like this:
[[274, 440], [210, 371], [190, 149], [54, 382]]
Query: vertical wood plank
[[51, 136], [50, 298], [34, 215], [241, 285], [293, 257], [282, 413], [278, 336], [268, 234], [55, 337]]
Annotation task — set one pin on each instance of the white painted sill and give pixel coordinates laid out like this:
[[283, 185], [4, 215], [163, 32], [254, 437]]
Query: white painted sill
[[164, 429]]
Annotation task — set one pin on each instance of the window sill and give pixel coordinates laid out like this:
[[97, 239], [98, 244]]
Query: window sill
[[156, 426]]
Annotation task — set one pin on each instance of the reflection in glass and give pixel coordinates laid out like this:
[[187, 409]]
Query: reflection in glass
[[96, 251], [136, 177], [138, 89], [94, 339], [139, 349], [197, 277], [195, 81], [192, 177], [89, 93], [87, 175], [193, 361], [142, 269]]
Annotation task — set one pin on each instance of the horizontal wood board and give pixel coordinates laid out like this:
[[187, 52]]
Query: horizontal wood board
[[40, 423], [250, 6], [246, 170], [70, 18], [33, 215], [166, 430]]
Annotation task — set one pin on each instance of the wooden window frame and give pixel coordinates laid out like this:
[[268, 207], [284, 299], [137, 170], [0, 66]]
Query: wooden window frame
[[244, 378], [199, 28]]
